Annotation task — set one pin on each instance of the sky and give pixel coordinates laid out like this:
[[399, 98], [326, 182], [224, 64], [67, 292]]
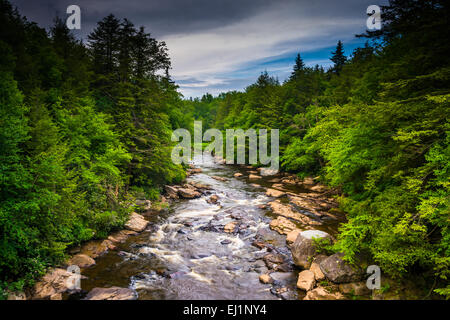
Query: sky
[[221, 45]]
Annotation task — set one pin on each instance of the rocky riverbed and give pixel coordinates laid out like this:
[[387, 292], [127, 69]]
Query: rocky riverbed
[[229, 232]]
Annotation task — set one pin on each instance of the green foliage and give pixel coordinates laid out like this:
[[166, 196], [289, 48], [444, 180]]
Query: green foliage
[[80, 129], [376, 127]]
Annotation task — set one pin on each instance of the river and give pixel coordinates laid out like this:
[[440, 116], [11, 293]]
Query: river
[[186, 255]]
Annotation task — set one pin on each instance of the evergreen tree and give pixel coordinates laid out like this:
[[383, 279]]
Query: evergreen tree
[[298, 67], [338, 57]]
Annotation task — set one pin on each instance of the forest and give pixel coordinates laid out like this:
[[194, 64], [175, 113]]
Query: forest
[[85, 128]]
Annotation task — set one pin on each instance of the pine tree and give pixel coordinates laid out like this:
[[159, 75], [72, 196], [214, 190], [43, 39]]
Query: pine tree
[[298, 67], [338, 57], [104, 43]]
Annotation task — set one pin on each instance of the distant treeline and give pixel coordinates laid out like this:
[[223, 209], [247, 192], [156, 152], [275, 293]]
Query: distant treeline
[[376, 126]]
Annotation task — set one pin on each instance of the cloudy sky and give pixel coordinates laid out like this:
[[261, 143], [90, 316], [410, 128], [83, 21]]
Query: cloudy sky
[[222, 45]]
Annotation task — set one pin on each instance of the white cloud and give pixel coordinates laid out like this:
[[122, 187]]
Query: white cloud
[[209, 54]]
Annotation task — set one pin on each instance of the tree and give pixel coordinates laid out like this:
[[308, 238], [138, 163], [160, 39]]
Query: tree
[[298, 67], [338, 57], [104, 43]]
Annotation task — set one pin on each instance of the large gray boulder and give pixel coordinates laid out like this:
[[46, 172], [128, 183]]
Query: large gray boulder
[[339, 271], [304, 249]]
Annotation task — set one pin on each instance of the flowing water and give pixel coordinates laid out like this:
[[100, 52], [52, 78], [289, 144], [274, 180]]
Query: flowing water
[[186, 255]]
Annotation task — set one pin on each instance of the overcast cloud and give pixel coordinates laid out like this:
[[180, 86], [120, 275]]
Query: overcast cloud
[[223, 45]]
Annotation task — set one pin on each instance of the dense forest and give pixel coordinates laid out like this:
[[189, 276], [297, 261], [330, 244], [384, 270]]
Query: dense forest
[[82, 129], [85, 128], [376, 127]]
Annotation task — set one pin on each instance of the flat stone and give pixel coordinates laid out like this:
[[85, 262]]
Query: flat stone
[[136, 223], [230, 227], [282, 225], [82, 261], [321, 293], [355, 288], [238, 174], [306, 280], [113, 293], [254, 177], [275, 193]]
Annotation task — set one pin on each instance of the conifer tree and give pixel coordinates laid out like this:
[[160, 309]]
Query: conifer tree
[[338, 57]]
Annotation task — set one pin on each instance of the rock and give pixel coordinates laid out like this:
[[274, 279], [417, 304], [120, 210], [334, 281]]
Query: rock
[[304, 249], [355, 288], [56, 281], [188, 193], [213, 199], [306, 280], [265, 278], [238, 174], [230, 227], [278, 186], [144, 204], [95, 248], [219, 178], [82, 261], [339, 271], [318, 274], [272, 260], [113, 293], [254, 177], [267, 171], [321, 293], [172, 192], [308, 181], [292, 236], [291, 181], [195, 170], [17, 296], [275, 193], [290, 212], [120, 236], [136, 223], [282, 225], [225, 242], [255, 185]]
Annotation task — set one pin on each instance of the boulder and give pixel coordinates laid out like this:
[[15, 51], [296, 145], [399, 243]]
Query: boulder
[[113, 293], [292, 236], [54, 283], [265, 278], [306, 280], [96, 248], [254, 177], [355, 288], [275, 193], [82, 261], [238, 174], [272, 260], [172, 192], [282, 225], [290, 212], [136, 223], [339, 271], [304, 249], [318, 274], [321, 293], [195, 170], [188, 193]]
